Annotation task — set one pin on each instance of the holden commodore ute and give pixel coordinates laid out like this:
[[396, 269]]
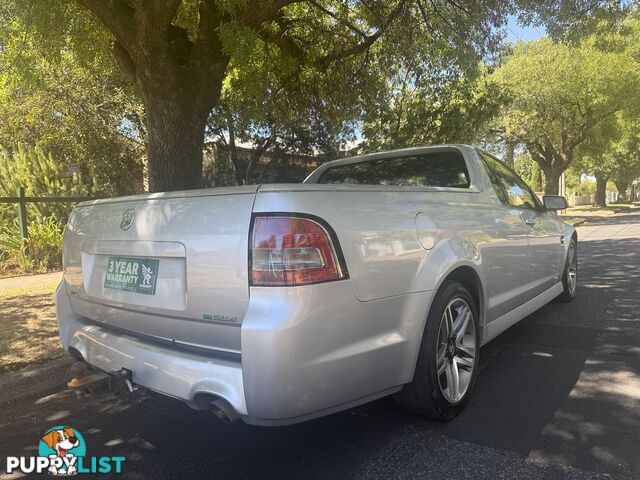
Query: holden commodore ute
[[379, 275]]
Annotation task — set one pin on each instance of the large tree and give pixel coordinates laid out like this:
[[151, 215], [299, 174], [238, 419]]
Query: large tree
[[558, 95], [421, 109], [627, 153], [267, 106], [177, 54], [612, 154]]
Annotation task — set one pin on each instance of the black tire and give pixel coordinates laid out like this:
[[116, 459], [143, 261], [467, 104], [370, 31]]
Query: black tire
[[424, 395], [569, 293]]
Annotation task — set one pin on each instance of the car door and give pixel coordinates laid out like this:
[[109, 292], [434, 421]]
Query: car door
[[545, 232], [546, 239], [506, 257]]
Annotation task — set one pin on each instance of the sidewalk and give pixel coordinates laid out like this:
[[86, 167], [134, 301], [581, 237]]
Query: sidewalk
[[24, 281], [586, 215]]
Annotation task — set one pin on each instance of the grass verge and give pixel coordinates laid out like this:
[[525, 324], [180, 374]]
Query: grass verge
[[610, 209], [28, 327]]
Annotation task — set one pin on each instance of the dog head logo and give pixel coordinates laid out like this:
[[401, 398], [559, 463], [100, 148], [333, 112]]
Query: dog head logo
[[65, 443], [61, 440]]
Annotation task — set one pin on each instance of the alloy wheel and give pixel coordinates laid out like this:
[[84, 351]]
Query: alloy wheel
[[456, 352], [572, 268]]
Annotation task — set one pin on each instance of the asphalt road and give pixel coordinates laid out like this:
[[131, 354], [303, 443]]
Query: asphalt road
[[558, 396]]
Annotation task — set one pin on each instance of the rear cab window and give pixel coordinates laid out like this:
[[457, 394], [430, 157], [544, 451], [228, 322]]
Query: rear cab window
[[431, 169]]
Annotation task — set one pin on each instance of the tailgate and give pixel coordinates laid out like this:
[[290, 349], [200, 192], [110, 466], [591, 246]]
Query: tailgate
[[178, 272]]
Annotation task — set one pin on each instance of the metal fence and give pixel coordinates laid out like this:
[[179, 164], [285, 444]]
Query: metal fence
[[22, 200]]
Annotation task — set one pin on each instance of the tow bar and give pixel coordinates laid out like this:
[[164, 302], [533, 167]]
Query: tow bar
[[87, 380]]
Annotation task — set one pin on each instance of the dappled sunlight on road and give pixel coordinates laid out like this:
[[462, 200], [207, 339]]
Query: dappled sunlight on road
[[558, 396], [598, 425]]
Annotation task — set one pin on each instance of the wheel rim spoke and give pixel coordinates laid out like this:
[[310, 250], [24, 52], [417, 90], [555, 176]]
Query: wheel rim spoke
[[461, 325], [442, 360], [442, 367], [454, 374], [448, 321], [465, 362]]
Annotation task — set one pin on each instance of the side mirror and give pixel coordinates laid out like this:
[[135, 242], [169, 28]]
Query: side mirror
[[554, 202]]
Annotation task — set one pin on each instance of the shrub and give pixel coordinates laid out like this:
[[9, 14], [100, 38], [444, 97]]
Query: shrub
[[40, 253], [586, 187], [40, 175]]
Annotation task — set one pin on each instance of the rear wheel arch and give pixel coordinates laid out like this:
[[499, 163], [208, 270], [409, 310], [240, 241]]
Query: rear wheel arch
[[423, 394], [468, 277]]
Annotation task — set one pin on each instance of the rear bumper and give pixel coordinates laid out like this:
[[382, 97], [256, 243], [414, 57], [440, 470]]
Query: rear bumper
[[173, 372], [306, 352]]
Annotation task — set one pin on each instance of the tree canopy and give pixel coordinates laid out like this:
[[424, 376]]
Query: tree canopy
[[72, 103], [183, 56], [103, 82], [557, 95]]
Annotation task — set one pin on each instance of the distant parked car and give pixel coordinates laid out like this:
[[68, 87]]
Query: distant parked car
[[380, 274]]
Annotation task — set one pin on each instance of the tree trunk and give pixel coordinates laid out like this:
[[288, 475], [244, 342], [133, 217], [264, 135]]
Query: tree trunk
[[175, 144], [551, 181], [601, 191], [539, 178], [233, 150], [622, 186]]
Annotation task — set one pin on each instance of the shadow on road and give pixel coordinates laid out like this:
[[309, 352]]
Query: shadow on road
[[627, 215], [564, 384]]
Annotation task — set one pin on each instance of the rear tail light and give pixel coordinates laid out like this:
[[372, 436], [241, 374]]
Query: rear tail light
[[291, 250]]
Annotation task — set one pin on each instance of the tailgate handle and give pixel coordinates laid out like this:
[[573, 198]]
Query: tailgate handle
[[137, 248]]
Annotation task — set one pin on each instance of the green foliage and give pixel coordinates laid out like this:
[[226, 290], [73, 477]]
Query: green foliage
[[280, 105], [559, 91], [529, 170], [571, 21], [586, 187], [61, 90], [561, 100], [523, 164], [429, 110], [572, 179], [284, 76], [535, 181], [428, 85], [40, 253], [40, 175], [614, 152], [220, 173]]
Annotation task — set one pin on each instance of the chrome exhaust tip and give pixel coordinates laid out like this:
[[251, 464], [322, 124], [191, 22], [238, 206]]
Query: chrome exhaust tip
[[223, 411]]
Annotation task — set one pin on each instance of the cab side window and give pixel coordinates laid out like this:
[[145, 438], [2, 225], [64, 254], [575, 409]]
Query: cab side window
[[496, 181], [511, 189]]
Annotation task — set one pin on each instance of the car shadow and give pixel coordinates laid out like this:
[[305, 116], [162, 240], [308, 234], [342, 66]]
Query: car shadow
[[623, 216], [563, 385]]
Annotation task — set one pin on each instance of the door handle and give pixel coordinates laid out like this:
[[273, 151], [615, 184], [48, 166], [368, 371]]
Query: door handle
[[529, 221]]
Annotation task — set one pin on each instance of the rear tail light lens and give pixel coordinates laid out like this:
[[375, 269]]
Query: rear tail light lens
[[292, 251]]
